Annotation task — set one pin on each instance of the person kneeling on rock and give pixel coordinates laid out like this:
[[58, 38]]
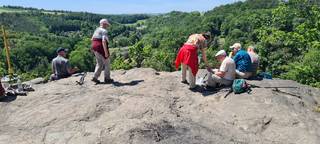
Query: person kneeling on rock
[[61, 67], [225, 74]]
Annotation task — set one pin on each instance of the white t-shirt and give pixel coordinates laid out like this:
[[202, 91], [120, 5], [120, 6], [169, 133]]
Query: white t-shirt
[[255, 61], [229, 67], [101, 33]]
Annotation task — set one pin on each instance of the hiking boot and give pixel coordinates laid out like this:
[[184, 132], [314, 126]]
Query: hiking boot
[[108, 81], [185, 82], [95, 80]]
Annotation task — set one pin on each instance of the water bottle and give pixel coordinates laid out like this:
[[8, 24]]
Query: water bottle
[[20, 88]]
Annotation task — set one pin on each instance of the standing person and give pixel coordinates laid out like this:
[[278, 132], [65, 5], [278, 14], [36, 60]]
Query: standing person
[[188, 57], [100, 49], [225, 74], [254, 59], [61, 67], [242, 60]]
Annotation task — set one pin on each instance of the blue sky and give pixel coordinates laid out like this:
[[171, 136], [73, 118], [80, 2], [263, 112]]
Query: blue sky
[[120, 6]]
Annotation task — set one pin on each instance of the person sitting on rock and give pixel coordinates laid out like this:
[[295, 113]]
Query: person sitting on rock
[[61, 67], [242, 60], [225, 75], [254, 59], [188, 57]]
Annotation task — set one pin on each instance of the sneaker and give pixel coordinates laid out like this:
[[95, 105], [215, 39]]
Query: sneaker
[[185, 82], [95, 80], [108, 81]]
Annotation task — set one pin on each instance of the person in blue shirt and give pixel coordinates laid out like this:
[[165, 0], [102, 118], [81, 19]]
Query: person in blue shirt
[[242, 60]]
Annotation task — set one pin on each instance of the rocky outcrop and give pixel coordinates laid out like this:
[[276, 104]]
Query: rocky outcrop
[[145, 106]]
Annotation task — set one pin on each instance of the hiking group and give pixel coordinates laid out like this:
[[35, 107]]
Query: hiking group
[[239, 64]]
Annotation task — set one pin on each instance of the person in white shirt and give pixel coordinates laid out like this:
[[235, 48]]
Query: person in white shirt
[[225, 74], [100, 49], [254, 59]]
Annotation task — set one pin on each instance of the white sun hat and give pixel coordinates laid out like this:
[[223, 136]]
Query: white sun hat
[[221, 52]]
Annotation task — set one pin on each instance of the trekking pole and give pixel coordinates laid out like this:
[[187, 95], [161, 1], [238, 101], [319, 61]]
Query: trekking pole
[[6, 45], [229, 92], [82, 79], [255, 86]]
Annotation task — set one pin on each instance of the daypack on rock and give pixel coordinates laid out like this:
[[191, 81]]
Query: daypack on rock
[[240, 86]]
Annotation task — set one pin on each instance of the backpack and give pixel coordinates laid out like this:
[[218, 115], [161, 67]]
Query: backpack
[[240, 86]]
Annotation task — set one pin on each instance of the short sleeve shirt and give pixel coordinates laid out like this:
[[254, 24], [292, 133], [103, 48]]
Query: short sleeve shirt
[[243, 61], [229, 67], [101, 33], [255, 61], [61, 66], [197, 40]]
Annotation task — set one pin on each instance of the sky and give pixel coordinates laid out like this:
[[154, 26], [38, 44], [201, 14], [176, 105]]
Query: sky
[[120, 6]]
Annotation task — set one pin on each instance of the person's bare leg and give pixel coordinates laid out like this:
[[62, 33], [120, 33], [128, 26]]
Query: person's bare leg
[[192, 78], [184, 72]]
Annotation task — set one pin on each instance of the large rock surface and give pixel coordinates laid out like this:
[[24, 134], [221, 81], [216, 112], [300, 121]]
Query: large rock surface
[[150, 107]]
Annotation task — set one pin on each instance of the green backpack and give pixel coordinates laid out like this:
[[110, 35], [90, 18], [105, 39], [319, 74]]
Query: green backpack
[[240, 86]]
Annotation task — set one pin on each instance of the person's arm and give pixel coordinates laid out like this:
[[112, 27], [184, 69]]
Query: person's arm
[[105, 41], [222, 70], [72, 70], [105, 48], [231, 54], [220, 73], [204, 56], [52, 68]]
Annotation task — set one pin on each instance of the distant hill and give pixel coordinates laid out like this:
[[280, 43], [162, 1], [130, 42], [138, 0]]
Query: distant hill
[[7, 10]]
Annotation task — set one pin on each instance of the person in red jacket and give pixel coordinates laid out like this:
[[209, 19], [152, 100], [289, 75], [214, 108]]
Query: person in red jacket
[[188, 57]]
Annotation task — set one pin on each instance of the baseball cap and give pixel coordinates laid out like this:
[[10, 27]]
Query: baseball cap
[[61, 49], [221, 52], [235, 45], [104, 21]]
